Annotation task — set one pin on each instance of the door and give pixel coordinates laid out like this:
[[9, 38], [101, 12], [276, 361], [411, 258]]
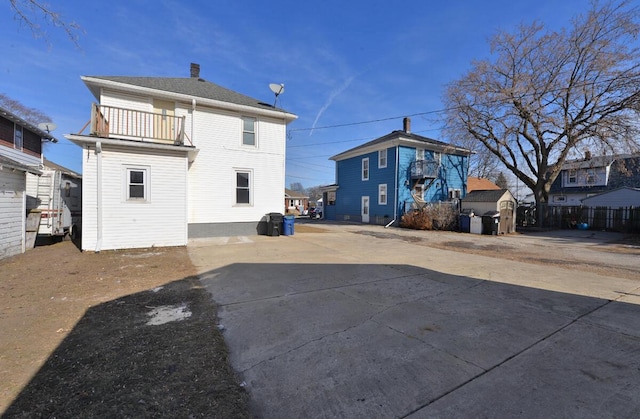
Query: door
[[365, 209], [163, 120]]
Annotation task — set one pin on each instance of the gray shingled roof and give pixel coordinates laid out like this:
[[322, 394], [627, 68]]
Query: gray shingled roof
[[405, 135], [485, 195], [196, 87]]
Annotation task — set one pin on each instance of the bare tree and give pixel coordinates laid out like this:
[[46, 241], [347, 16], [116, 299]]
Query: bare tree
[[31, 12], [32, 115], [546, 96]]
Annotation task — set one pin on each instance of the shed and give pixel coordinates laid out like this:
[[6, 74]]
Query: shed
[[617, 198], [500, 200]]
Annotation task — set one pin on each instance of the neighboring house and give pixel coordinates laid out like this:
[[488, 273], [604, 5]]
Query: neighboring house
[[617, 198], [498, 202], [58, 195], [169, 159], [20, 153], [480, 183], [590, 176], [379, 181], [295, 202]]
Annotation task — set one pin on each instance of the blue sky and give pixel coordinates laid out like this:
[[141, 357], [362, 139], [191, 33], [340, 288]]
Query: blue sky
[[343, 63]]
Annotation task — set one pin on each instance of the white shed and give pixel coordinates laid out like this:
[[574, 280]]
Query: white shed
[[487, 201], [617, 198]]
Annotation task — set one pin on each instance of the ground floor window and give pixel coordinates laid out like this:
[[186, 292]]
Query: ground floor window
[[243, 187], [137, 184]]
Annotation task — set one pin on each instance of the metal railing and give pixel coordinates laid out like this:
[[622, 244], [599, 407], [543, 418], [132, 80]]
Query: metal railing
[[424, 169], [110, 121]]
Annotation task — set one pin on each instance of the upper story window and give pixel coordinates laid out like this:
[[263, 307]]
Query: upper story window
[[572, 176], [591, 176], [365, 168], [17, 137], [382, 159], [419, 154], [248, 131]]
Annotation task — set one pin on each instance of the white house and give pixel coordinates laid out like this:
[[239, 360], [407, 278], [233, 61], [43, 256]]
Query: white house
[[169, 159], [20, 153]]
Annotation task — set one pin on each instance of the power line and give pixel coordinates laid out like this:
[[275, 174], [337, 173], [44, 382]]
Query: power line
[[367, 122]]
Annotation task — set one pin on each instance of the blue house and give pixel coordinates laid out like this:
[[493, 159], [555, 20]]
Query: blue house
[[377, 182]]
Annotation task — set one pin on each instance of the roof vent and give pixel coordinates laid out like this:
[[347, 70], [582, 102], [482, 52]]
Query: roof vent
[[195, 70]]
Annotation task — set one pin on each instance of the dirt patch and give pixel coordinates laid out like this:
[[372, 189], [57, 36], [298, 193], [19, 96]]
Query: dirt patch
[[306, 228], [84, 335]]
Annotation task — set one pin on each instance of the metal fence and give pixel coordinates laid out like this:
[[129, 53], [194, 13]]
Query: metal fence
[[624, 219]]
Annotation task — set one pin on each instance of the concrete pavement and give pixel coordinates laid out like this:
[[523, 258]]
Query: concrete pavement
[[342, 324]]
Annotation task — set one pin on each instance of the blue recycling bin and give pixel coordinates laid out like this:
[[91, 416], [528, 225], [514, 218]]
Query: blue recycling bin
[[287, 225]]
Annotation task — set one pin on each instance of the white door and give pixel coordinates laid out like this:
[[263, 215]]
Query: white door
[[365, 209]]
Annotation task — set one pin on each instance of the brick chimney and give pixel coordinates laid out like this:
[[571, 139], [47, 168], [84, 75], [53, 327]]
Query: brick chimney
[[195, 70], [406, 124]]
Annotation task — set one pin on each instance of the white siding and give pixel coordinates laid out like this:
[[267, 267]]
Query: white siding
[[159, 221], [624, 197], [12, 212], [20, 156], [212, 175]]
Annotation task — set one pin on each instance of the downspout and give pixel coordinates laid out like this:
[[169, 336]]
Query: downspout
[[193, 116], [99, 197], [395, 189]]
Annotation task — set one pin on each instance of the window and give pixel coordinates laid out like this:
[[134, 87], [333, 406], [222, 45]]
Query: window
[[559, 199], [382, 194], [137, 183], [591, 176], [454, 193], [572, 176], [17, 137], [382, 159], [419, 154], [365, 169], [248, 131], [243, 187]]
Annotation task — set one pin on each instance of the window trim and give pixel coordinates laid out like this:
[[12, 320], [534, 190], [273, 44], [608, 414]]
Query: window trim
[[249, 188], [254, 132], [145, 170], [382, 155], [365, 172], [383, 188]]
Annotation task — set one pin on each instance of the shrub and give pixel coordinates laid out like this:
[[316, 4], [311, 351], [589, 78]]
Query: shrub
[[431, 217]]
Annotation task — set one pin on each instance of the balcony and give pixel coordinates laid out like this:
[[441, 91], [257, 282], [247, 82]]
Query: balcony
[[112, 122], [424, 169]]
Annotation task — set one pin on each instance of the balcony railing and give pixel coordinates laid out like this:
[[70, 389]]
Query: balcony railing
[[421, 169], [109, 121]]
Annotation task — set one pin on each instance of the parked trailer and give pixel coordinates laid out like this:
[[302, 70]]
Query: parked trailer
[[57, 195]]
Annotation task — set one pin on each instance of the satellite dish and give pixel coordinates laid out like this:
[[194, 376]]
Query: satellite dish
[[277, 90], [47, 126]]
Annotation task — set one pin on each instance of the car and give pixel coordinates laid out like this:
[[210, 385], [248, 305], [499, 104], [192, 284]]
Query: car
[[315, 213]]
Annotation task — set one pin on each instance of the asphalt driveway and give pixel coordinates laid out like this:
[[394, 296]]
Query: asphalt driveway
[[340, 324]]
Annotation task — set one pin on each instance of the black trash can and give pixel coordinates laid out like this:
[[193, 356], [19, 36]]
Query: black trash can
[[490, 222], [274, 224]]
